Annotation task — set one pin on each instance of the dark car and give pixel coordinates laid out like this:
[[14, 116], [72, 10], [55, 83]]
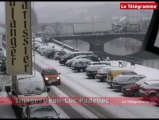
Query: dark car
[[59, 54], [51, 53], [72, 55], [122, 80], [133, 89], [39, 112], [91, 70], [149, 89], [102, 73]]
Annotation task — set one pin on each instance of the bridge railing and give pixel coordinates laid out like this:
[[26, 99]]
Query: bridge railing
[[153, 63], [64, 45]]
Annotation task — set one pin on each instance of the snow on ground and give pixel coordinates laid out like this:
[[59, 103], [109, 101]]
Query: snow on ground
[[58, 47], [92, 88], [79, 108], [53, 44]]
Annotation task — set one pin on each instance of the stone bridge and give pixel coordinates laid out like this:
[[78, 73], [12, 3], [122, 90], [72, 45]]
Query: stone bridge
[[97, 41]]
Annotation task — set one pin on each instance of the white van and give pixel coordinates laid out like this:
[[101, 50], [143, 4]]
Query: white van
[[27, 86]]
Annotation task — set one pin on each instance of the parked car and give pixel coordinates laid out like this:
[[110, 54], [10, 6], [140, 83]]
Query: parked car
[[113, 72], [149, 89], [122, 80], [156, 99], [50, 53], [102, 73], [35, 47], [80, 64], [39, 112], [90, 57], [41, 48], [51, 76], [72, 55], [24, 88], [100, 62], [91, 70], [59, 54], [133, 89]]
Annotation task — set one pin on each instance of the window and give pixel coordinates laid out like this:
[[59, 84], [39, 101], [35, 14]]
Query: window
[[50, 72], [151, 42]]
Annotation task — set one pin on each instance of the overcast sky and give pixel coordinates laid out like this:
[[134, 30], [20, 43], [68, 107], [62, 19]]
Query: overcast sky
[[41, 5], [53, 4], [70, 4]]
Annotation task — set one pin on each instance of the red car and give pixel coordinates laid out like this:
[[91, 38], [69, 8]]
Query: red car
[[51, 76], [133, 89], [149, 90]]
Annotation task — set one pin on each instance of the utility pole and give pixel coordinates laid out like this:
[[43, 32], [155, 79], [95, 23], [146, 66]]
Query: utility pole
[[92, 24]]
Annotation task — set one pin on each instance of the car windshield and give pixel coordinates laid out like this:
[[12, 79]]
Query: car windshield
[[68, 54], [30, 87], [50, 72], [43, 112], [103, 69]]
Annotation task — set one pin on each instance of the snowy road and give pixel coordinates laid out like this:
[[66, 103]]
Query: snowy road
[[77, 84]]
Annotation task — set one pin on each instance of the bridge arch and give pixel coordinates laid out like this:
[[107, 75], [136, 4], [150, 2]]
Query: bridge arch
[[122, 46], [97, 41]]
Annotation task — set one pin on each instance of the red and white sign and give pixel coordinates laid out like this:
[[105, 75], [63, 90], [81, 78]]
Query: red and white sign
[[138, 6]]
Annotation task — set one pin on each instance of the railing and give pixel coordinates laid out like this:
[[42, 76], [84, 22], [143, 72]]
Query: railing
[[64, 45], [153, 63]]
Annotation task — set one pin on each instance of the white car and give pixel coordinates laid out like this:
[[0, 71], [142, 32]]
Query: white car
[[90, 57], [40, 49], [28, 89], [69, 62], [80, 64]]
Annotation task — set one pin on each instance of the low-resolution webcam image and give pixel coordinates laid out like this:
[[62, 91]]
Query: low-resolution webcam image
[[64, 60]]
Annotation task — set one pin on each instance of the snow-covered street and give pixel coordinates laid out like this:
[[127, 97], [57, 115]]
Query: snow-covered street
[[77, 84]]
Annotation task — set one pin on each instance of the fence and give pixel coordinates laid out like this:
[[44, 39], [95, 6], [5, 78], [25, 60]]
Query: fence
[[153, 63]]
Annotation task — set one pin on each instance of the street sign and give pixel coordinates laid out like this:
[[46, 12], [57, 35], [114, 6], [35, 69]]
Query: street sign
[[18, 34]]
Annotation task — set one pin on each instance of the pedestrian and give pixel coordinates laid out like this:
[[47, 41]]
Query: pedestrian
[[107, 58], [125, 63], [132, 64], [120, 63]]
